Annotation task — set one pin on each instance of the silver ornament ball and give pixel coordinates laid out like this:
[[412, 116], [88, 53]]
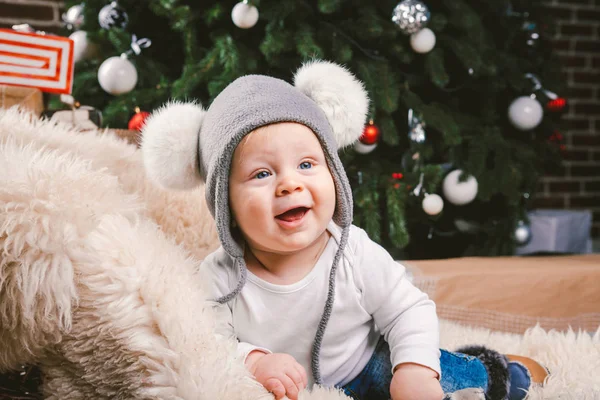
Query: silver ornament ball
[[417, 133], [522, 233], [113, 16], [73, 18], [411, 16]]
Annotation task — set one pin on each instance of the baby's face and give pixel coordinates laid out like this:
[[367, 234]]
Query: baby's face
[[281, 192]]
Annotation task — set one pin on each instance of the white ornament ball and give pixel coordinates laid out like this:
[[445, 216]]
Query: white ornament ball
[[117, 75], [244, 15], [432, 204], [423, 41], [525, 113], [459, 193], [82, 49], [522, 233], [364, 148]]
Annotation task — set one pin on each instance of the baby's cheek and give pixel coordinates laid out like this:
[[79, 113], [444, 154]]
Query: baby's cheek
[[253, 205]]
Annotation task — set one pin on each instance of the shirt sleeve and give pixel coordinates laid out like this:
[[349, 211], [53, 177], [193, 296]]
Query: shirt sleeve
[[218, 275], [404, 314], [224, 328]]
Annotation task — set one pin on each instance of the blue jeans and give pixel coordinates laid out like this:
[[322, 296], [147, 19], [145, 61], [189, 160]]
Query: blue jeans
[[459, 371]]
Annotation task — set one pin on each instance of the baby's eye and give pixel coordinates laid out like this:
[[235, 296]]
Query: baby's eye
[[306, 165], [262, 175]]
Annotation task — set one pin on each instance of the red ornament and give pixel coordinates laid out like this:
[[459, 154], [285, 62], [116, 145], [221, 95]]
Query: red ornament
[[370, 134], [556, 105], [136, 123], [397, 175]]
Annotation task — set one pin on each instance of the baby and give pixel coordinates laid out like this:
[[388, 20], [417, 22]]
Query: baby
[[309, 297]]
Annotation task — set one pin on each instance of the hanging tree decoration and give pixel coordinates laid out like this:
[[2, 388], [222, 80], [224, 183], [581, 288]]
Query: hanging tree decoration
[[136, 123], [416, 127], [531, 34], [369, 138], [113, 16], [423, 41], [83, 49], [526, 112], [522, 234], [117, 75], [457, 192], [555, 103], [244, 15], [552, 101], [417, 190], [411, 17], [73, 18], [432, 204]]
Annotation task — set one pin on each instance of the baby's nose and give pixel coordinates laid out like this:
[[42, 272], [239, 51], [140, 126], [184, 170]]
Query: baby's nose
[[288, 185]]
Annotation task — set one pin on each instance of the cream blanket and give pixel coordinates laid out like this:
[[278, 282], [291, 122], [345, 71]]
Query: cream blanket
[[98, 281]]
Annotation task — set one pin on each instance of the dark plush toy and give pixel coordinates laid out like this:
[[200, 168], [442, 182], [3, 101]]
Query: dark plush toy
[[509, 377]]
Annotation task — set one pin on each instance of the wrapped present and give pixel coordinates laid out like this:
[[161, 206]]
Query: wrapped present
[[559, 231], [30, 99], [31, 59], [82, 117]]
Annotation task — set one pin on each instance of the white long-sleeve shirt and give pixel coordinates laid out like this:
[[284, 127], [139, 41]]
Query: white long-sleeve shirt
[[372, 298]]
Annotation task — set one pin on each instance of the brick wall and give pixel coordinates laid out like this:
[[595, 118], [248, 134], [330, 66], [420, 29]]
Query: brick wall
[[578, 43], [44, 15]]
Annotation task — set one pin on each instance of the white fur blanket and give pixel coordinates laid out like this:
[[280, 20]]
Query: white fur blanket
[[98, 281]]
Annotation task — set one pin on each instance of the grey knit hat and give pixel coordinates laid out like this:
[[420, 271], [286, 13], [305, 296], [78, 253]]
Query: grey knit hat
[[183, 145]]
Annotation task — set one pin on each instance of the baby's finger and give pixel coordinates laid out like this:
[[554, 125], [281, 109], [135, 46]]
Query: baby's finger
[[275, 386], [291, 390], [296, 376], [302, 373]]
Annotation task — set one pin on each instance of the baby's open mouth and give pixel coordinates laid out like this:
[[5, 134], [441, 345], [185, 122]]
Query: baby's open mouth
[[293, 215]]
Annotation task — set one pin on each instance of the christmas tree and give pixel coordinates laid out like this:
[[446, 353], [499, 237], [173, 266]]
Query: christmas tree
[[462, 97]]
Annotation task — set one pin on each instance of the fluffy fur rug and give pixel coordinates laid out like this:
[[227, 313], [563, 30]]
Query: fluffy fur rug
[[98, 281]]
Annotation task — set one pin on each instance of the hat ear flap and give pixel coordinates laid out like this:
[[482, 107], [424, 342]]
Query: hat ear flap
[[339, 94], [170, 145]]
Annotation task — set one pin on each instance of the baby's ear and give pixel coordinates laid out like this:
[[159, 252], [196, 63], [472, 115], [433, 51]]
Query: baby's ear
[[170, 145], [339, 94]]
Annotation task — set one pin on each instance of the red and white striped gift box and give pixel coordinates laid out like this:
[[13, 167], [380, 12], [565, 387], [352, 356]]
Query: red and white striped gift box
[[40, 61]]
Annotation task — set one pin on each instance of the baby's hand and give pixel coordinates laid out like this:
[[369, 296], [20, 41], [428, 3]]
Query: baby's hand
[[413, 381], [279, 373]]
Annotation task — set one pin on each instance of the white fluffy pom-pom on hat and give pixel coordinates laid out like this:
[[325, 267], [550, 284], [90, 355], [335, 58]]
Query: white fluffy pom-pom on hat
[[170, 145], [339, 94]]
